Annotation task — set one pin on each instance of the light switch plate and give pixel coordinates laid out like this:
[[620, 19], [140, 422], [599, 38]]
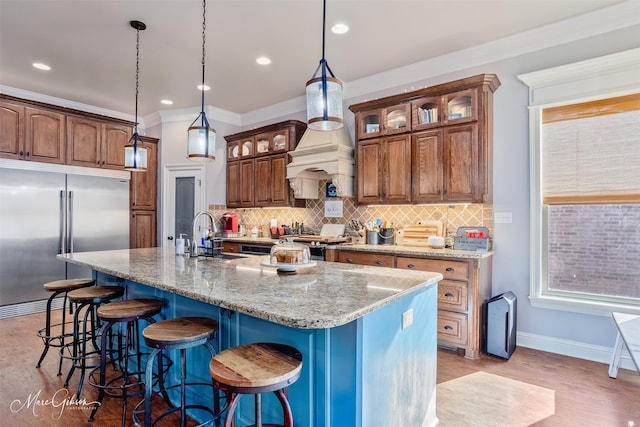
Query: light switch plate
[[503, 217]]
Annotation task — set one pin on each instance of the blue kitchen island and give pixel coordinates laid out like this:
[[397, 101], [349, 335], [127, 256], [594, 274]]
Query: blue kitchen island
[[367, 334]]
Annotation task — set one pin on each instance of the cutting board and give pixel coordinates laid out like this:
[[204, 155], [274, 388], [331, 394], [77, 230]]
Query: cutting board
[[418, 234]]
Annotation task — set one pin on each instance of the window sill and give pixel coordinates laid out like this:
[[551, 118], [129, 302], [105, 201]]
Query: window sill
[[596, 308]]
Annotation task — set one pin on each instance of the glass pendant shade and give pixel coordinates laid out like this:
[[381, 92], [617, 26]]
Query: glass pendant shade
[[323, 92], [135, 155], [201, 142]]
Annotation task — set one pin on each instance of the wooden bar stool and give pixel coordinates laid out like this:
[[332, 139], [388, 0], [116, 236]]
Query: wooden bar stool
[[177, 334], [123, 382], [90, 299], [255, 369], [57, 339]]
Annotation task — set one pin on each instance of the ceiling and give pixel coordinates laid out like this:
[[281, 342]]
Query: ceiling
[[92, 49]]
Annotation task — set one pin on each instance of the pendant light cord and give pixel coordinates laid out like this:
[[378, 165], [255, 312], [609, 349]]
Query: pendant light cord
[[324, 19], [204, 26], [137, 77]]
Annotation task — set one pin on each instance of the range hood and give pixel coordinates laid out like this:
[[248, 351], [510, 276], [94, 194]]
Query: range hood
[[322, 155]]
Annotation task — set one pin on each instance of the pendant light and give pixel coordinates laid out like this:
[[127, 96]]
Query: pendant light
[[135, 153], [324, 94], [201, 141]]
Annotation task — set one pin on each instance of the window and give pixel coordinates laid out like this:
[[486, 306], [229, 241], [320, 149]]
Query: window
[[585, 185]]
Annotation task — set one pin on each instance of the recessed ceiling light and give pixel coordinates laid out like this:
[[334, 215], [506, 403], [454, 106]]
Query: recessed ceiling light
[[203, 87], [340, 28], [263, 60], [166, 101], [41, 66]]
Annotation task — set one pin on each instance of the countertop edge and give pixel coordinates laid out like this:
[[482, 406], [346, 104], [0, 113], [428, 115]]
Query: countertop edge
[[261, 314]]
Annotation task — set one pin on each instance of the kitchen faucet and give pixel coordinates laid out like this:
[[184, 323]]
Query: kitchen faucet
[[194, 240]]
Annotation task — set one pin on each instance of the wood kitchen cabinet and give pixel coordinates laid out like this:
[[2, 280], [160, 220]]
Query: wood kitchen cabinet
[[94, 143], [449, 143], [28, 133], [462, 293], [257, 165], [40, 132], [143, 228], [392, 156]]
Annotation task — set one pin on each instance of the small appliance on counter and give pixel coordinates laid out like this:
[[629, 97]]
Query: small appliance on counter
[[472, 239], [230, 224]]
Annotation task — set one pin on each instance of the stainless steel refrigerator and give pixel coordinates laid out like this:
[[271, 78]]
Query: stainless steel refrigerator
[[45, 211]]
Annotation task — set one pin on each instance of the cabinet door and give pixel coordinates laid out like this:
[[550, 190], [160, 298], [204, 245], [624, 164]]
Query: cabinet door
[[263, 182], [280, 191], [426, 167], [426, 113], [281, 141], [233, 184], [369, 167], [247, 168], [114, 138], [397, 119], [11, 131], [44, 140], [143, 229], [263, 144], [83, 142], [461, 163], [369, 124], [460, 107], [396, 170], [144, 184]]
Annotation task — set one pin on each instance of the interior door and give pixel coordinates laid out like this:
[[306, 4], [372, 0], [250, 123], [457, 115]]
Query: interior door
[[184, 197]]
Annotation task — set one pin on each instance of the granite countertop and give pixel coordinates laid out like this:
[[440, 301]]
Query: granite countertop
[[415, 250], [324, 296], [390, 249]]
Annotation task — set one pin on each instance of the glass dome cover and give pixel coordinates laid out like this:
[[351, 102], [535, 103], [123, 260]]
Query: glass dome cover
[[288, 252]]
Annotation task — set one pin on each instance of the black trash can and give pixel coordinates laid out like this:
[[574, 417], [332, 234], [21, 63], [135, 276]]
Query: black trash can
[[501, 325]]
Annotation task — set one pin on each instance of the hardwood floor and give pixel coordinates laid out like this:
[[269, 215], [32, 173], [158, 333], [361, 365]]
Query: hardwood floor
[[584, 394]]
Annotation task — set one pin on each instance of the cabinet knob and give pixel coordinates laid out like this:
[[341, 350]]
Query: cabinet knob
[[21, 153], [448, 295], [349, 259], [28, 154], [450, 269], [411, 266], [448, 328], [170, 238], [380, 262]]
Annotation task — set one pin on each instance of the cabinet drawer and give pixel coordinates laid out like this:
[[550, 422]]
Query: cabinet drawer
[[364, 258], [229, 247], [452, 295], [452, 327], [453, 270]]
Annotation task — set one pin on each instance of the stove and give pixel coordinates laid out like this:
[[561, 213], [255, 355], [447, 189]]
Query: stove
[[318, 244]]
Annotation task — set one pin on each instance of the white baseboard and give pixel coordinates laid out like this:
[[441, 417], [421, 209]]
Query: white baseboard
[[576, 349]]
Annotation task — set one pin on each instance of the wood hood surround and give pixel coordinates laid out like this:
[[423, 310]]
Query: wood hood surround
[[322, 155]]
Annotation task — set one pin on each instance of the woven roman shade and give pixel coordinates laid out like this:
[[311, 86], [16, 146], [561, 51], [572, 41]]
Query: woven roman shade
[[591, 152]]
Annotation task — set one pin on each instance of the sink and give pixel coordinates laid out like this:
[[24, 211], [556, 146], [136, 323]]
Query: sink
[[229, 256]]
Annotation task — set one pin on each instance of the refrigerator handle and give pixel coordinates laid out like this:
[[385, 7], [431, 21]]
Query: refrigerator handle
[[61, 240], [69, 248]]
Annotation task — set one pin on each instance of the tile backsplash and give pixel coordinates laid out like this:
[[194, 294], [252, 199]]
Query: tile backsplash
[[451, 215]]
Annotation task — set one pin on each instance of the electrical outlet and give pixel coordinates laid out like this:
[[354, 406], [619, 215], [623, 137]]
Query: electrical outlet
[[407, 318]]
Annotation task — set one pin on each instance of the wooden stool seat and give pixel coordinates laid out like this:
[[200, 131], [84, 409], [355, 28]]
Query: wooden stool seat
[[255, 369], [68, 284], [260, 367], [95, 294], [183, 331], [129, 310]]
